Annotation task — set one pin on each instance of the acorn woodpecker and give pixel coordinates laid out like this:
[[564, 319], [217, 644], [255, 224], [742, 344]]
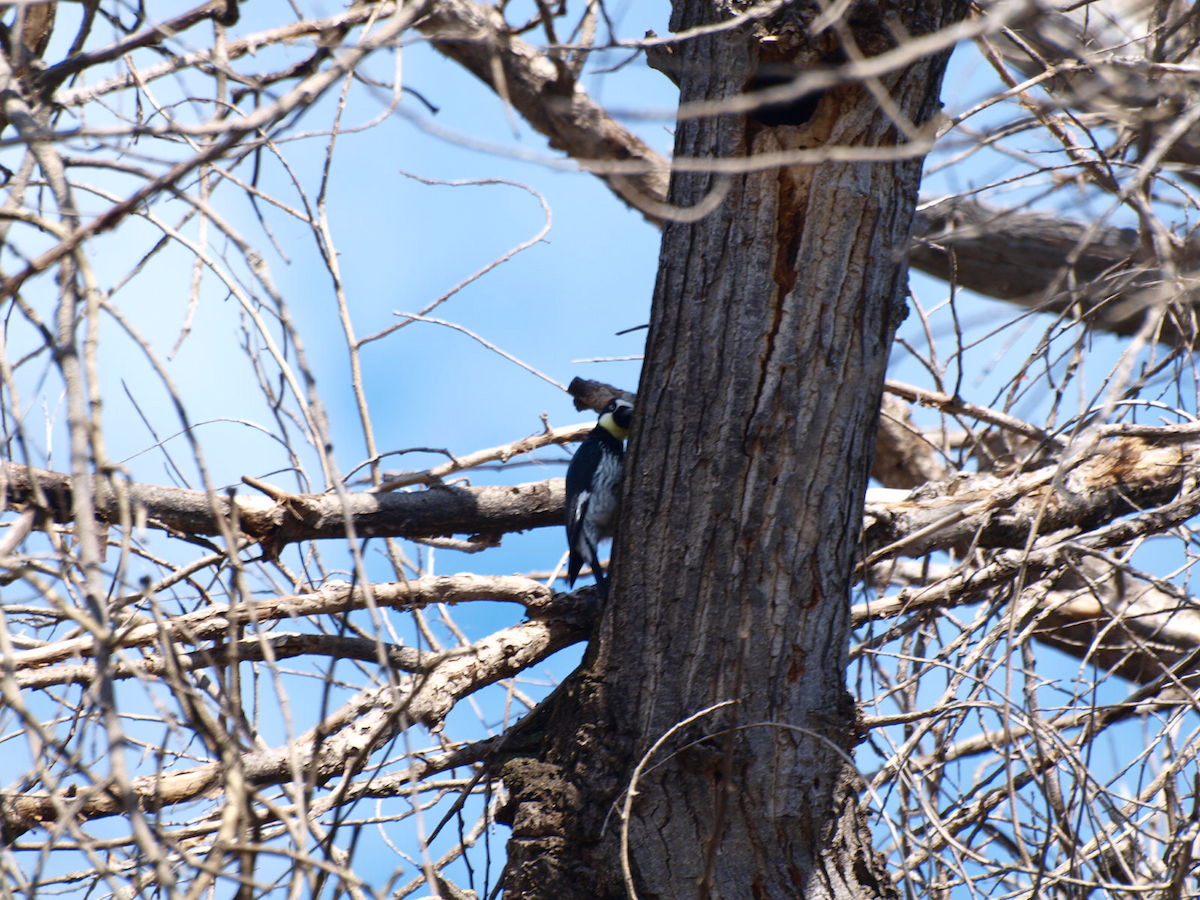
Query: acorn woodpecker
[[593, 486]]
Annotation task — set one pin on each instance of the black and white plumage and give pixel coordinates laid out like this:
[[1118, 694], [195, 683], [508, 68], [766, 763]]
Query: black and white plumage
[[593, 489]]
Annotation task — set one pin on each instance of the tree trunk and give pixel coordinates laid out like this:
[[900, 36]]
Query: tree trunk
[[769, 336]]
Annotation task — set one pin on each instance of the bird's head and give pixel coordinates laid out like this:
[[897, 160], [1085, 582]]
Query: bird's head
[[616, 417]]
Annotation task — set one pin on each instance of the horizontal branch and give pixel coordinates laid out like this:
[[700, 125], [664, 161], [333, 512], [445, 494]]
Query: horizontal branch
[[273, 647], [434, 476], [223, 11], [984, 510], [1124, 625], [1120, 476], [437, 512], [1104, 275], [1146, 615], [1086, 606], [218, 620], [337, 747]]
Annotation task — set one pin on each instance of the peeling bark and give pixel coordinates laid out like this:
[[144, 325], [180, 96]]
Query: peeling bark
[[986, 511]]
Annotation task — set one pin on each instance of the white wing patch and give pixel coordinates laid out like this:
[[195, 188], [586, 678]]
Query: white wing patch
[[604, 513], [580, 505]]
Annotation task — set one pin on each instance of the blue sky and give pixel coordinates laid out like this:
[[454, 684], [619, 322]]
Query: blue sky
[[403, 243]]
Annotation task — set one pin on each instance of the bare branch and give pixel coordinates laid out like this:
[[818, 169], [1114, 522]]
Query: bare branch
[[215, 622], [342, 741], [1105, 276], [984, 510], [439, 511], [544, 91]]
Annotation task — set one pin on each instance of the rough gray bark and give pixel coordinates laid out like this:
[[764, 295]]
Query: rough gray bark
[[770, 332], [983, 510], [283, 517], [1104, 275]]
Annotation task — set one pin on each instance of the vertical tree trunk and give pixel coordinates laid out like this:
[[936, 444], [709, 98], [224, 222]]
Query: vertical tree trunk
[[770, 332]]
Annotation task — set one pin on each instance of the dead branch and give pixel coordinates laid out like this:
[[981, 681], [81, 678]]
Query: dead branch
[[544, 90], [984, 510], [216, 621], [1107, 277], [342, 742], [437, 512]]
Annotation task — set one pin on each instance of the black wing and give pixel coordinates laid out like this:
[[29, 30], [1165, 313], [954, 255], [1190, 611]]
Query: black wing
[[579, 480]]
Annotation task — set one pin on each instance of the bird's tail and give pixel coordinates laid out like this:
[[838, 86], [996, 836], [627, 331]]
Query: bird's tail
[[592, 554]]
